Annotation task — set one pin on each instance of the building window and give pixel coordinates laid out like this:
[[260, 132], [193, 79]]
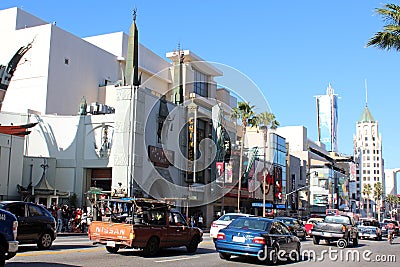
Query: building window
[[66, 61], [200, 83]]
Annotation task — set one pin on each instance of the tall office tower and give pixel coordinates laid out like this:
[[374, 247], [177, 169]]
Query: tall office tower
[[368, 156], [327, 115]]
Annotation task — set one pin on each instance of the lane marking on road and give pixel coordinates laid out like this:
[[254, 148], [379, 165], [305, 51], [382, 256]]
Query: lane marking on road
[[39, 253], [178, 259]]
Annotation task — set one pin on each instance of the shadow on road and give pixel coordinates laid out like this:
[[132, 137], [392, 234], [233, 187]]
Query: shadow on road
[[38, 264], [255, 261], [168, 252], [31, 248]]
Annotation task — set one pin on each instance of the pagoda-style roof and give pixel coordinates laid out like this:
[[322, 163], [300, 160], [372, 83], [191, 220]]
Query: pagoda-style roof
[[366, 116], [43, 184]]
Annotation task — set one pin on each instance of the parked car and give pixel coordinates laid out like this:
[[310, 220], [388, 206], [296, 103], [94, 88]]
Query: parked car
[[257, 237], [396, 225], [223, 222], [309, 225], [35, 223], [369, 228], [341, 228], [384, 228], [8, 236], [295, 226]]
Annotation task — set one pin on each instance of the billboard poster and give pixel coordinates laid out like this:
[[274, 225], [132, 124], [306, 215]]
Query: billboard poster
[[229, 172], [220, 172], [278, 183]]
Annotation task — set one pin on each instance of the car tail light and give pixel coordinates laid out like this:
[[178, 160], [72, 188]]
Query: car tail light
[[259, 240], [15, 229], [343, 228], [221, 236]]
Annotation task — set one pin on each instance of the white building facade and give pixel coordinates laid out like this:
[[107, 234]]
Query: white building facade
[[368, 158], [113, 141]]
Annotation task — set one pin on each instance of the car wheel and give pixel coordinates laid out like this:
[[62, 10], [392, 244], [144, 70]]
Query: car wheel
[[304, 238], [225, 256], [45, 241], [295, 255], [273, 256], [2, 256], [355, 241], [112, 250], [194, 243], [152, 247], [316, 240]]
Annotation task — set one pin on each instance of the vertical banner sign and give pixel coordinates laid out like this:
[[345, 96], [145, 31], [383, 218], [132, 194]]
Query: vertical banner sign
[[190, 150], [192, 110]]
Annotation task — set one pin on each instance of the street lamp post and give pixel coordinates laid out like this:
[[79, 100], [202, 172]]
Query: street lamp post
[[308, 179]]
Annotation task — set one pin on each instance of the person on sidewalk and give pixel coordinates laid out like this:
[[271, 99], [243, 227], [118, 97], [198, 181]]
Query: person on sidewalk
[[200, 221], [59, 219]]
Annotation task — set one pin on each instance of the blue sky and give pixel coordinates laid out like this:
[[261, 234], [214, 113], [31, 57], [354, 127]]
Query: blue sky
[[290, 49]]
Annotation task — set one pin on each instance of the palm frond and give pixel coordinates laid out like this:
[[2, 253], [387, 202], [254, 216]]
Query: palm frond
[[389, 38]]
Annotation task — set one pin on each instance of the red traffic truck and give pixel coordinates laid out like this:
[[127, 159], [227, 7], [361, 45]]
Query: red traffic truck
[[142, 223]]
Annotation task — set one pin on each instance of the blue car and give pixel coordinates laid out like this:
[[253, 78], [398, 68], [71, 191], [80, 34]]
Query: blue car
[[267, 239]]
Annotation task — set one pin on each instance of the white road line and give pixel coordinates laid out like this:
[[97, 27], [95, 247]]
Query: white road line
[[178, 259]]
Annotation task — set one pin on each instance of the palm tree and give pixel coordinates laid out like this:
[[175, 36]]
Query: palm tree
[[367, 189], [393, 201], [389, 38], [378, 191], [244, 112], [265, 120]]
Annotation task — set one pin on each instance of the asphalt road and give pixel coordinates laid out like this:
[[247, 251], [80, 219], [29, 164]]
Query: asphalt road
[[78, 251]]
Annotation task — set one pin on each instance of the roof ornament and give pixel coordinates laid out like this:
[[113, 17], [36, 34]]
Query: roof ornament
[[329, 90], [134, 14]]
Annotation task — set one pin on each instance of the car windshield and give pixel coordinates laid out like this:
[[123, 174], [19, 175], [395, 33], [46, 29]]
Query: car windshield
[[250, 224], [229, 217], [337, 219], [369, 223], [286, 221]]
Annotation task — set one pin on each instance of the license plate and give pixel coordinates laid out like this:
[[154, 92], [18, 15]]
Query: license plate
[[326, 234], [240, 239], [110, 244]]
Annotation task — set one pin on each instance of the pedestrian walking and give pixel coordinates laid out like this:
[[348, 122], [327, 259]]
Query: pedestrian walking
[[59, 215], [200, 221]]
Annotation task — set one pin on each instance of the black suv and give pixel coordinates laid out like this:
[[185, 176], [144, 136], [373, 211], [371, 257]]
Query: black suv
[[35, 223], [295, 226]]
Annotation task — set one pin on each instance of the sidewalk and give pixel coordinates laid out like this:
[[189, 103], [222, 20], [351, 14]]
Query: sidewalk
[[82, 234]]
